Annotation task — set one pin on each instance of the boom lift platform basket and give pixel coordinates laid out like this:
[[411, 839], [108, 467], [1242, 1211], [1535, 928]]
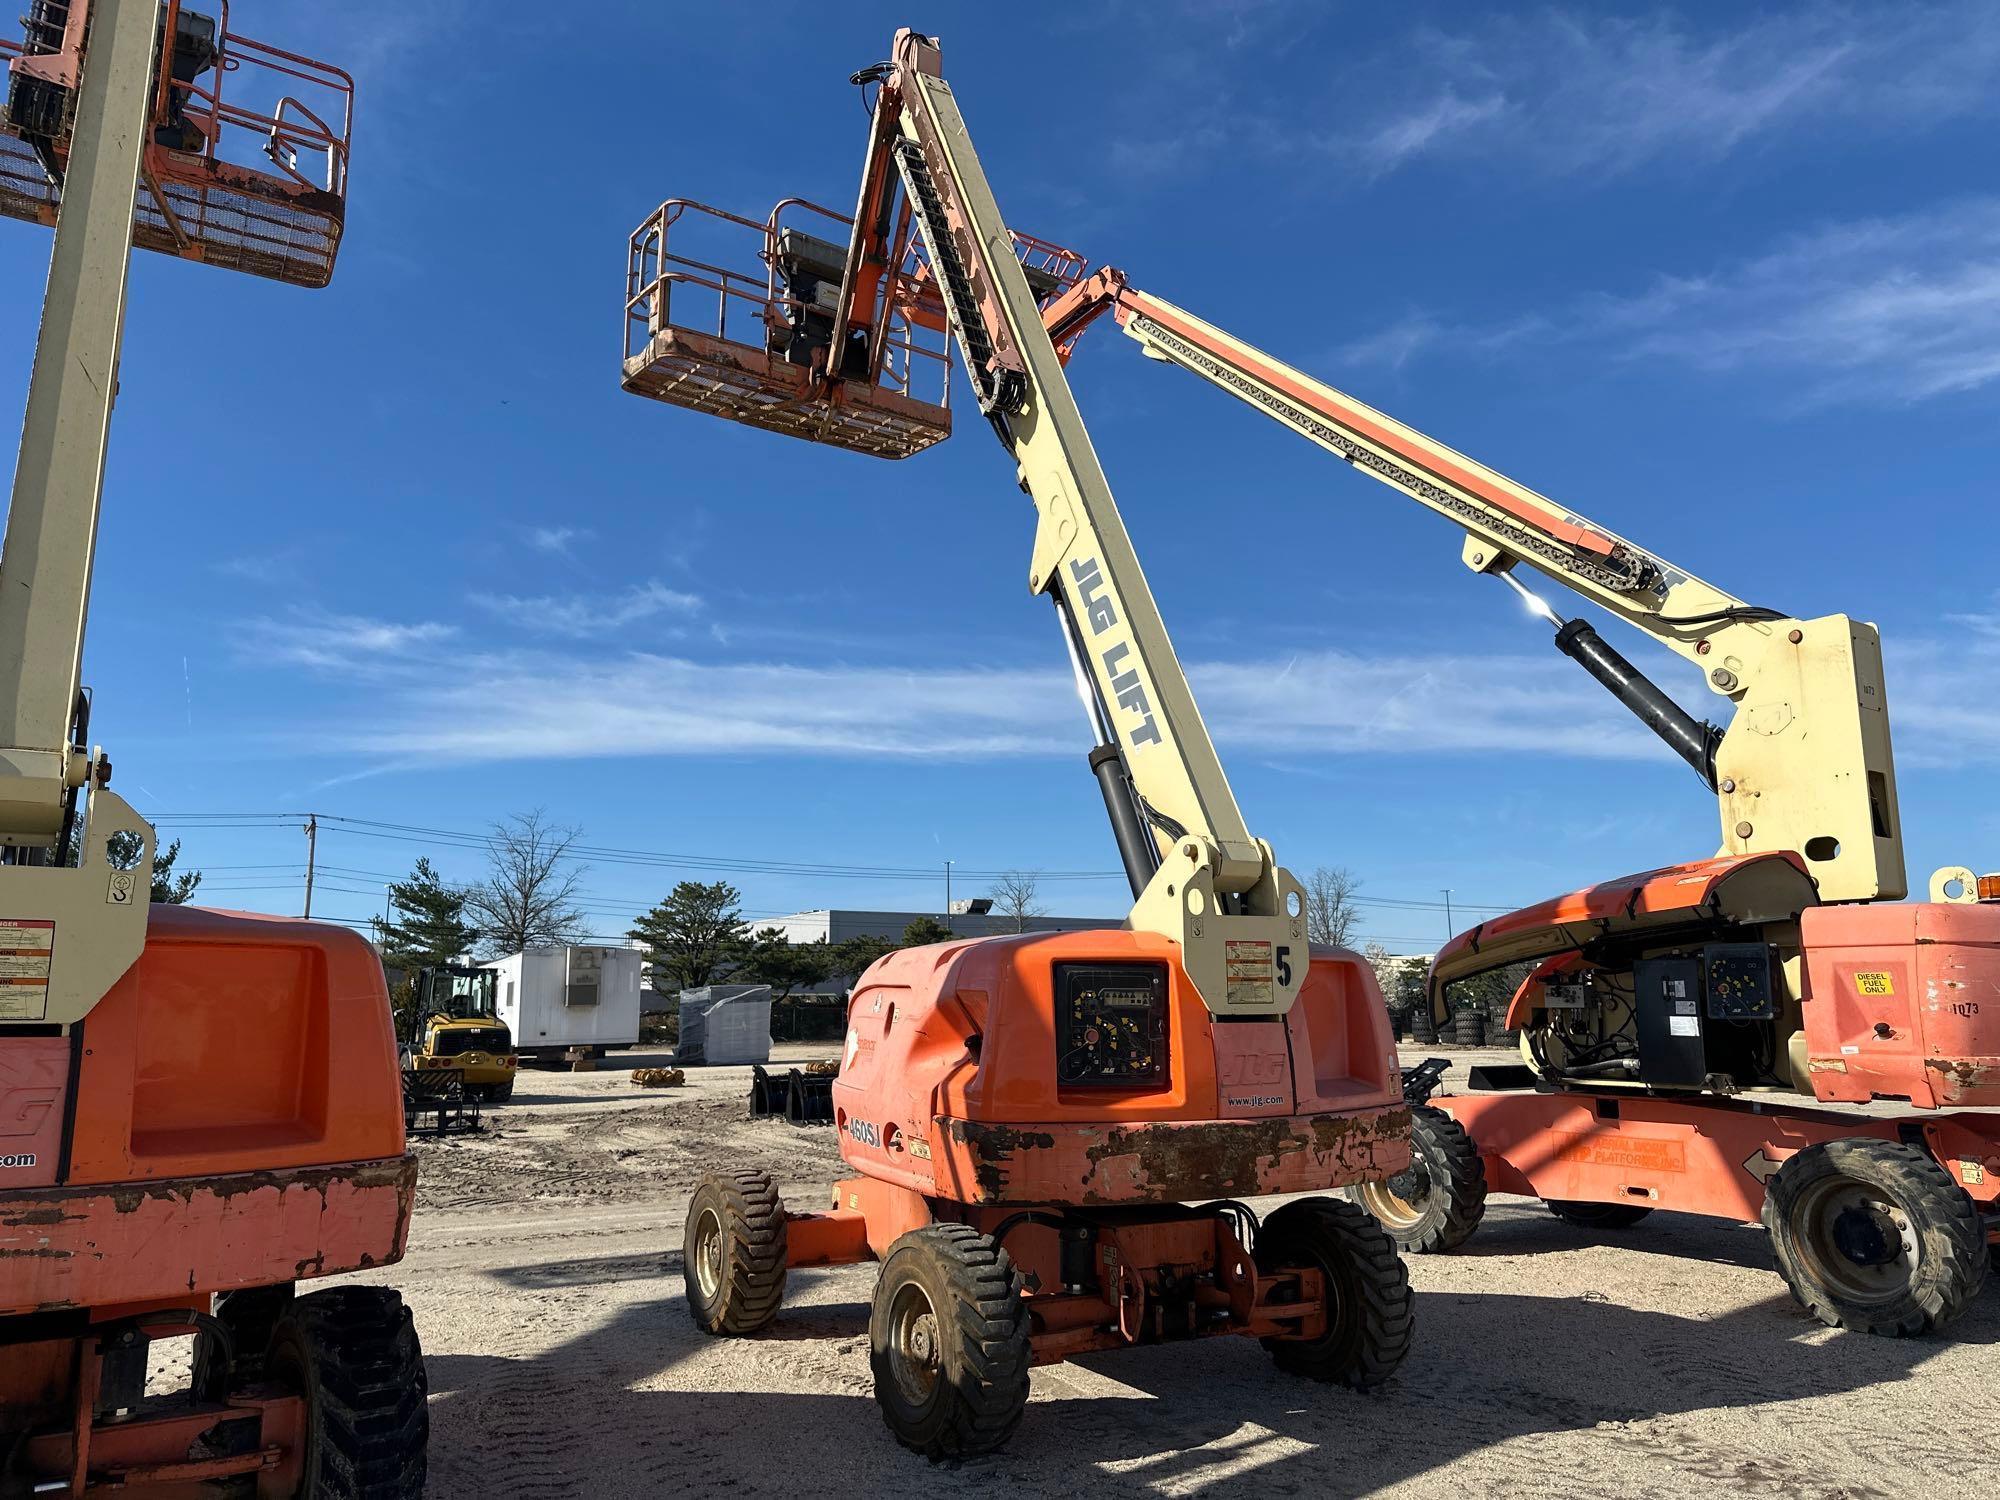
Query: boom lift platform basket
[[762, 359], [199, 197]]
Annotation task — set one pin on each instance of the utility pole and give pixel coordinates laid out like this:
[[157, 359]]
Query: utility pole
[[312, 848], [1450, 928], [947, 897]]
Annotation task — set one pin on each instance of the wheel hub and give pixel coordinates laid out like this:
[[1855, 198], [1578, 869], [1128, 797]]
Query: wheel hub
[[1865, 1237], [915, 1346], [707, 1266], [1860, 1243], [1412, 1184]]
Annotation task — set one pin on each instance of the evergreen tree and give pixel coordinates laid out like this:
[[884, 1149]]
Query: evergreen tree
[[785, 966], [925, 930], [430, 927], [694, 937]]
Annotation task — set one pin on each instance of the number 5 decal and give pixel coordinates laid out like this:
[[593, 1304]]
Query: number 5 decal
[[1284, 965]]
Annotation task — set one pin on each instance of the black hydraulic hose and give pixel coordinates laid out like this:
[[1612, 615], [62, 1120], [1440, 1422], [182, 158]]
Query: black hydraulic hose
[[1690, 738]]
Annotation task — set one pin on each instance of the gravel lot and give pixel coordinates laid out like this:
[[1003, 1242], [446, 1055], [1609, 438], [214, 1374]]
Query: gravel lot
[[544, 1270]]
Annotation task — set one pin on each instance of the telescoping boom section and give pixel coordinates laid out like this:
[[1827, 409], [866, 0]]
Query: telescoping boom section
[[1804, 763]]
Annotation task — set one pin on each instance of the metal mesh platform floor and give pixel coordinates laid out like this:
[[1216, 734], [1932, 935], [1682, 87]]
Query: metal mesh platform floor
[[293, 240], [748, 385]]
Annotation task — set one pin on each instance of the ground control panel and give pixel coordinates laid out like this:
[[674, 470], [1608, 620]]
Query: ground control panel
[[1111, 1025], [1703, 1012]]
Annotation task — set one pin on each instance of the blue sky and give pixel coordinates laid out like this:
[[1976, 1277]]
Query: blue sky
[[1726, 279]]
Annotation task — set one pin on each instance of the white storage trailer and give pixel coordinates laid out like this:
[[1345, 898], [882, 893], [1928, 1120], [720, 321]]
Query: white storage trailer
[[561, 999]]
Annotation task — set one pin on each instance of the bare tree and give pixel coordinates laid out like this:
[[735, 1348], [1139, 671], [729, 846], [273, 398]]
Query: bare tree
[[527, 899], [1331, 916], [1014, 898]]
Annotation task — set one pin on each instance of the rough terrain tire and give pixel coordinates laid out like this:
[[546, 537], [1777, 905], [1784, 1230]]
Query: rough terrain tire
[[1436, 1203], [352, 1352], [1470, 1028], [500, 1093], [1875, 1237], [733, 1252], [948, 1342], [1371, 1313], [1596, 1215], [250, 1315]]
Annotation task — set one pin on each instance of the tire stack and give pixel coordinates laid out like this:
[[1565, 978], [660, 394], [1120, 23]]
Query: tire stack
[[1471, 1026], [1423, 1030], [1498, 1034]]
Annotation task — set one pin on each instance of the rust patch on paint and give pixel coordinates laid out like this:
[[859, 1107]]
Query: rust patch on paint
[[994, 1148], [1967, 1080], [1170, 1161]]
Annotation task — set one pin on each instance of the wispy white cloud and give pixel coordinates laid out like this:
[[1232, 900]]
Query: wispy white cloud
[[1385, 145], [1944, 695], [586, 615], [341, 643], [556, 540], [1983, 625], [1900, 309], [430, 693], [1570, 91], [574, 704], [279, 566]]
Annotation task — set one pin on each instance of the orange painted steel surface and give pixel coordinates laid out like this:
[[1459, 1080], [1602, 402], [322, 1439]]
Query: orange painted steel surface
[[1695, 1155], [184, 1238], [148, 1454], [1148, 1258], [237, 1121], [1904, 999], [948, 1087], [1673, 895], [238, 1043], [200, 203], [34, 1081]]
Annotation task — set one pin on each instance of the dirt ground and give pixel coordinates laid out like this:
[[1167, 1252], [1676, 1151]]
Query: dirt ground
[[545, 1274]]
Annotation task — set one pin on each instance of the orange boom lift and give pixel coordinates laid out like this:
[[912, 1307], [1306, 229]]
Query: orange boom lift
[[198, 1109], [1672, 1018], [1034, 1122]]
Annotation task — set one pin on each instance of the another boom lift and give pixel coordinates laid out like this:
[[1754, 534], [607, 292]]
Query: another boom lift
[[198, 1109], [1029, 1118], [1667, 1007]]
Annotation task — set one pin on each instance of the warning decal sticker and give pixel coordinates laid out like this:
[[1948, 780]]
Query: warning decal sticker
[[1247, 963], [27, 952]]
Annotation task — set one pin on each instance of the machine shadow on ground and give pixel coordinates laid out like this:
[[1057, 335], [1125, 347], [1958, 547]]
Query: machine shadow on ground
[[1522, 1226], [567, 1419]]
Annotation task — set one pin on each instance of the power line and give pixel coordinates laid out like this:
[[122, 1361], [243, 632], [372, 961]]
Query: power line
[[460, 838]]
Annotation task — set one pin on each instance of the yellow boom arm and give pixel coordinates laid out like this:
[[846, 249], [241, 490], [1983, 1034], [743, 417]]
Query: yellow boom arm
[[1199, 875], [1804, 763]]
